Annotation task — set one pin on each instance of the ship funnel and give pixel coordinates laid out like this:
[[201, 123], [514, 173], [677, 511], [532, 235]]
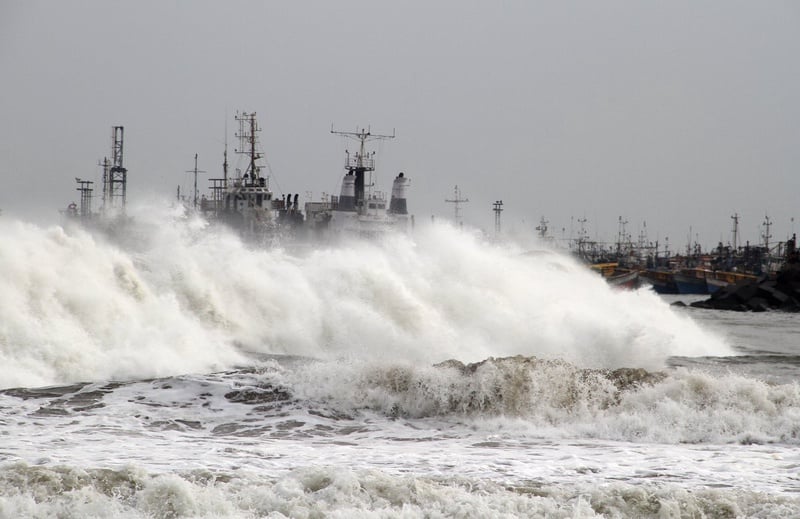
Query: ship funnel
[[347, 200], [397, 205]]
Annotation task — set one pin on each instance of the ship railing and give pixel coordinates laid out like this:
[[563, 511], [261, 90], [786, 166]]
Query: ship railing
[[359, 162]]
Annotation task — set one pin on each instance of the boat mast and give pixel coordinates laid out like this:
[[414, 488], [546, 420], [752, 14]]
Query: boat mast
[[542, 227], [225, 156], [498, 208], [735, 219], [457, 201], [767, 224], [248, 143], [117, 176], [195, 171], [362, 162]]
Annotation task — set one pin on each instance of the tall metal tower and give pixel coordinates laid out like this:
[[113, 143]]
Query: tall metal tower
[[85, 188], [498, 208], [735, 219], [115, 176], [457, 201]]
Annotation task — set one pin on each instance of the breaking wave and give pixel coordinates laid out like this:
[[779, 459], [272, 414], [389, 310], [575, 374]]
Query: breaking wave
[[169, 295], [522, 397], [38, 492], [545, 398]]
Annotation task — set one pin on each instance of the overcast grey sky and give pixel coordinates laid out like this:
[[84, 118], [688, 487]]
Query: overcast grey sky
[[676, 113]]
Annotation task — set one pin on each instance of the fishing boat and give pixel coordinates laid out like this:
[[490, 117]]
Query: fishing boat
[[691, 281], [663, 281], [628, 280], [617, 277], [720, 279]]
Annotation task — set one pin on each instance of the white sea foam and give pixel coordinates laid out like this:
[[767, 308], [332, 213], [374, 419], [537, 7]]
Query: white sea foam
[[38, 492], [555, 399], [171, 296]]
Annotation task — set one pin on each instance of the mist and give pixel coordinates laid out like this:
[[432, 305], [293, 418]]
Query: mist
[[671, 116]]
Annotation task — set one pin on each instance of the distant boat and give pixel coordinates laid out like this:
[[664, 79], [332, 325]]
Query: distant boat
[[617, 277], [625, 280], [713, 284], [720, 279], [691, 281], [663, 281]]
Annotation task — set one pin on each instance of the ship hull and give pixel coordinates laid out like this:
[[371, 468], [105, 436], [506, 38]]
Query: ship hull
[[662, 282], [688, 284]]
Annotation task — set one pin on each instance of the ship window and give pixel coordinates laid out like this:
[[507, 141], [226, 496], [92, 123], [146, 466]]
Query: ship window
[[381, 206], [372, 206]]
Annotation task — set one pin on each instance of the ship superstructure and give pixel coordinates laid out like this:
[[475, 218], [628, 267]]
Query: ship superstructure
[[245, 201], [360, 210]]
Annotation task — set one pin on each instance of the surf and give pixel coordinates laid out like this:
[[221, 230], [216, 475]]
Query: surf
[[172, 295]]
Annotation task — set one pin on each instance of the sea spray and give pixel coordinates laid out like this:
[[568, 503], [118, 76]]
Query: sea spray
[[173, 295], [538, 397]]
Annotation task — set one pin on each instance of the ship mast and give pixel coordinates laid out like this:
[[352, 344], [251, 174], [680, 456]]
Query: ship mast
[[115, 175], [362, 161], [195, 171], [542, 227], [457, 201], [248, 143], [225, 156], [767, 224], [85, 188], [497, 208]]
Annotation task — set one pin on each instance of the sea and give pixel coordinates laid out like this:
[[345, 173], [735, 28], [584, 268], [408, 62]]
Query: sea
[[164, 368]]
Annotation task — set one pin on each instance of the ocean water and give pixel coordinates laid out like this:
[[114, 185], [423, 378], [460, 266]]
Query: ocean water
[[168, 370]]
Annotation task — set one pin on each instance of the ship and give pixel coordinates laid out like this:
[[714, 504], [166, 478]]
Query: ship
[[246, 204], [245, 201], [359, 211], [691, 280]]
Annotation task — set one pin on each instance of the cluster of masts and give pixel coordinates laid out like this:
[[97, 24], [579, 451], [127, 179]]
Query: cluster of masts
[[252, 187], [623, 240], [115, 183]]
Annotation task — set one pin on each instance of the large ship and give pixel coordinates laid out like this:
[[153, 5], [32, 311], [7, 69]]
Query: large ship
[[359, 210], [246, 203]]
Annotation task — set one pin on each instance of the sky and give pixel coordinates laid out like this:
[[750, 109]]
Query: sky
[[673, 116]]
